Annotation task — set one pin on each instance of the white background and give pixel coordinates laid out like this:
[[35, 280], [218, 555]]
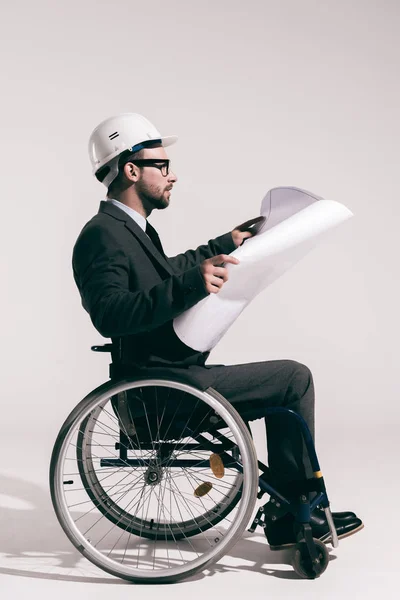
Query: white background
[[261, 94]]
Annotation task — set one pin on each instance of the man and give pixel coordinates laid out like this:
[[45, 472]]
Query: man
[[133, 291]]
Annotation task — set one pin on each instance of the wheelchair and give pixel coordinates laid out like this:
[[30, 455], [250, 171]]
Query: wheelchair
[[154, 479]]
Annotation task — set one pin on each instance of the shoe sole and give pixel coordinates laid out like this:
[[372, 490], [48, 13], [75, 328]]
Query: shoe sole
[[324, 538]]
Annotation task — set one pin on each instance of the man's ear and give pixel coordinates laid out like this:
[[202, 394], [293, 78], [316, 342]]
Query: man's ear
[[131, 171]]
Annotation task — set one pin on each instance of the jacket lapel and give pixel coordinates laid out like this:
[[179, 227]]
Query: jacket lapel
[[137, 231]]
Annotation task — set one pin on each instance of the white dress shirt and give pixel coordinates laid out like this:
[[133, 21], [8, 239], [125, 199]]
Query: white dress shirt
[[140, 220]]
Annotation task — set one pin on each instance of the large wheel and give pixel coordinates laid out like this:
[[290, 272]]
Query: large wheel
[[144, 500]]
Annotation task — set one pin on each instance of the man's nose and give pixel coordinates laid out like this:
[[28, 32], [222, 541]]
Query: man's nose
[[172, 176]]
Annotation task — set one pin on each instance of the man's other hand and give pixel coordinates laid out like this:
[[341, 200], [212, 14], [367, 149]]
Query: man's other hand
[[246, 230], [239, 236]]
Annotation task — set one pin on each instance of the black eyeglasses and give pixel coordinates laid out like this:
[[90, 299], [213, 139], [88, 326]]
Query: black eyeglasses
[[162, 164]]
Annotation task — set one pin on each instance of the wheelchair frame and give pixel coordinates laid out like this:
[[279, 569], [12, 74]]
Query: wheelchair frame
[[310, 557]]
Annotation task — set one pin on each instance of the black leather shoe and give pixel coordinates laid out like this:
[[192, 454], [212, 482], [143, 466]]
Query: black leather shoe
[[344, 516], [280, 534]]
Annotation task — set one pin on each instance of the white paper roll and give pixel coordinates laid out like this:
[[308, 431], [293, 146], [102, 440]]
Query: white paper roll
[[295, 219]]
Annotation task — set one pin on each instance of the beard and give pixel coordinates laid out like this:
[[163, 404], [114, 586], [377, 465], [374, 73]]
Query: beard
[[152, 196]]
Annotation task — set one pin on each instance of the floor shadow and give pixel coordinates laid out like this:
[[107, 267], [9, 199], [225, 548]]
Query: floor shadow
[[34, 545]]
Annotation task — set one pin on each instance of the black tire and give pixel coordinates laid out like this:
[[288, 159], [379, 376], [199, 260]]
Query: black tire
[[302, 563]]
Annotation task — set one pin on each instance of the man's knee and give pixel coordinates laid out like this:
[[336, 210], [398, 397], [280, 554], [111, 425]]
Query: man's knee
[[301, 377]]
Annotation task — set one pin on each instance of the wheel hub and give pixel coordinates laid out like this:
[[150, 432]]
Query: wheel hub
[[153, 475]]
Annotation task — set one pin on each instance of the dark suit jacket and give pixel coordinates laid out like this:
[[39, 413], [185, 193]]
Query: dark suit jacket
[[132, 291]]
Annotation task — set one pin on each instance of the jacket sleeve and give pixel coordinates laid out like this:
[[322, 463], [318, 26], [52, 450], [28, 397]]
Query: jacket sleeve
[[223, 244], [101, 271]]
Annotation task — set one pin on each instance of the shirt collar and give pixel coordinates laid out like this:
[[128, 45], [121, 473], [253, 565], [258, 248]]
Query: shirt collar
[[140, 220]]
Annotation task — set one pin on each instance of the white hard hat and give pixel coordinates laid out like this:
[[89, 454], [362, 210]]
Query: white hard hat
[[128, 131]]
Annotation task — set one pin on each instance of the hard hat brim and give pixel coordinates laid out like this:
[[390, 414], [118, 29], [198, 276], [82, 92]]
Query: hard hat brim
[[170, 139]]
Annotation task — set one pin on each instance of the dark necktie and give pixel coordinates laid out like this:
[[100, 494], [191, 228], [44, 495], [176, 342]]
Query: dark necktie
[[153, 235]]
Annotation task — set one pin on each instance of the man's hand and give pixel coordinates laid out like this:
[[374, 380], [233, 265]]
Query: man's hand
[[239, 236], [214, 274], [246, 230]]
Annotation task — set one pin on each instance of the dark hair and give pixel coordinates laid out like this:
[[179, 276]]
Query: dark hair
[[119, 184]]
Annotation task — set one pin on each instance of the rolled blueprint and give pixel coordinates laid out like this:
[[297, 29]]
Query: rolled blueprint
[[295, 220]]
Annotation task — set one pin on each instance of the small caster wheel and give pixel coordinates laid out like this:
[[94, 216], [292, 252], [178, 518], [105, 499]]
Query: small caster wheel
[[302, 564]]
